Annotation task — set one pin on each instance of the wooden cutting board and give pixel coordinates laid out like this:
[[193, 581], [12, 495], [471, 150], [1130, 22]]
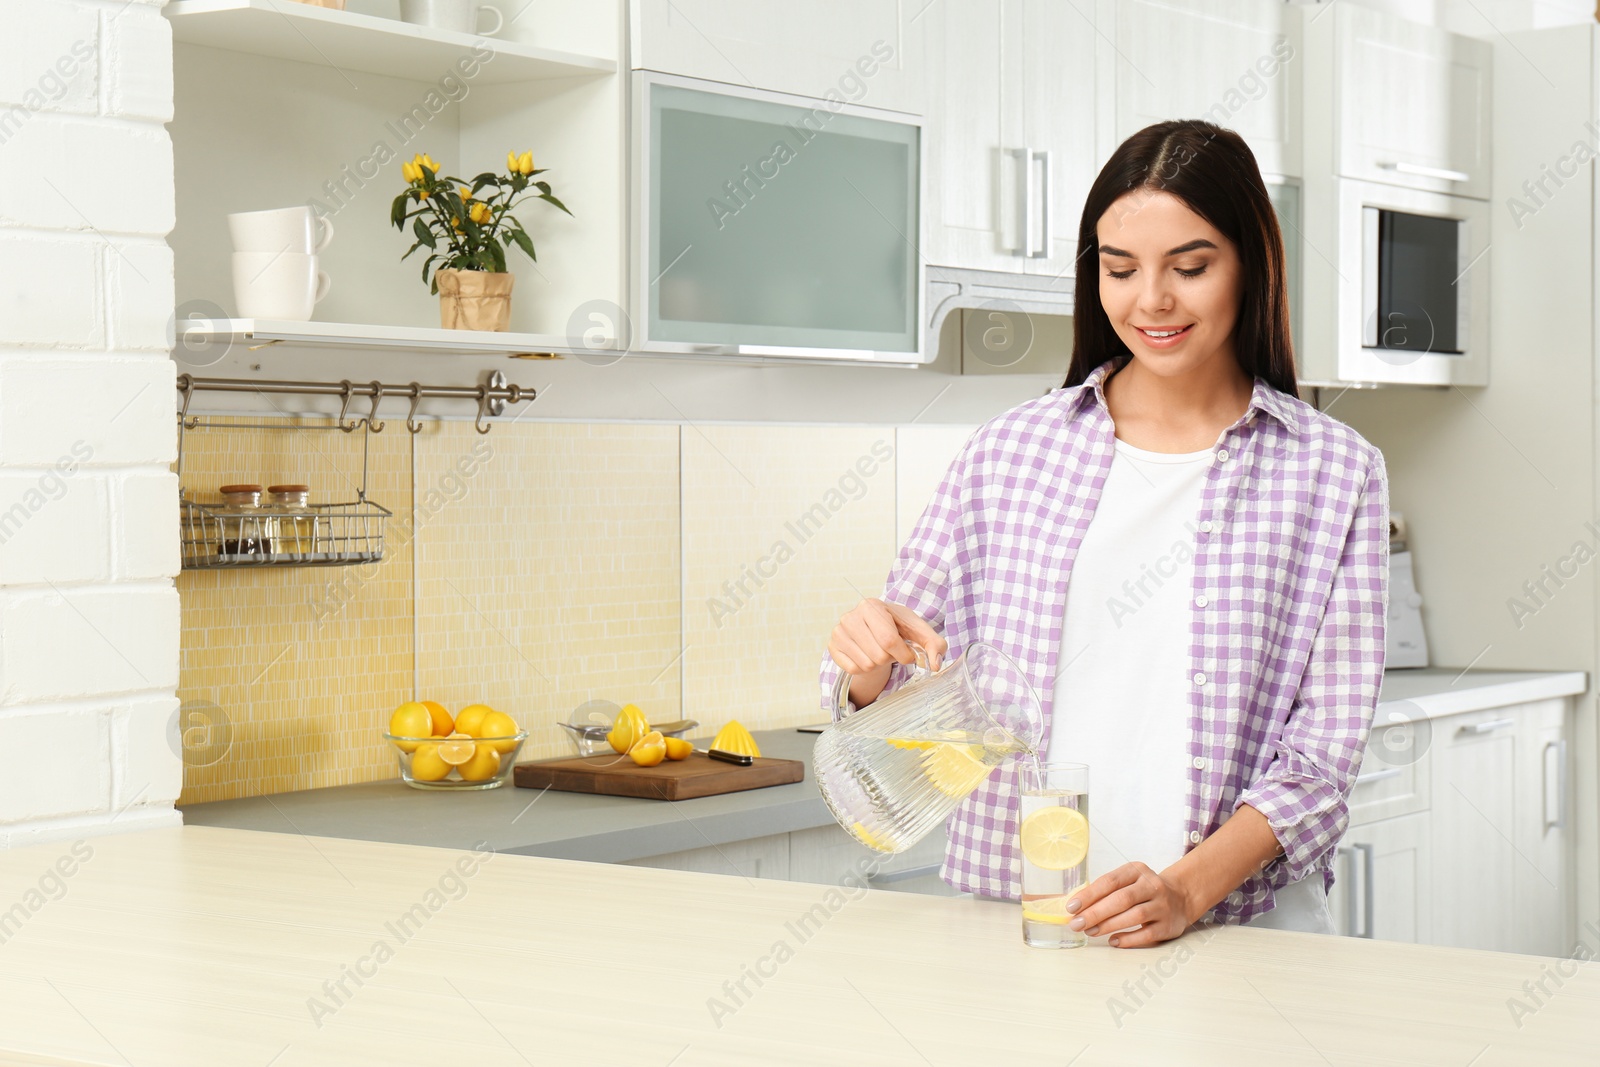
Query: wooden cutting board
[[698, 775]]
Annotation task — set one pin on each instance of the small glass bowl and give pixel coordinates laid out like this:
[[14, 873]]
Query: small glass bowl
[[453, 779]]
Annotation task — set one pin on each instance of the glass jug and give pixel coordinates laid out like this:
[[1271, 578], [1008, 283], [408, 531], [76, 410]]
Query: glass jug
[[898, 767]]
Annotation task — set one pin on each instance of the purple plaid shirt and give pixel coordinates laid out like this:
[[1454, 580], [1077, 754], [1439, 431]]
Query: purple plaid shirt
[[1290, 597]]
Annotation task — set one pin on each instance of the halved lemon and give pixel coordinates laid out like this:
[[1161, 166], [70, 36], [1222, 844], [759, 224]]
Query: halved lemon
[[456, 749], [1055, 838]]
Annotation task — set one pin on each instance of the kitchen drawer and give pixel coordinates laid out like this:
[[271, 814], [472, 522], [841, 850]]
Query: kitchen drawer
[[1393, 779]]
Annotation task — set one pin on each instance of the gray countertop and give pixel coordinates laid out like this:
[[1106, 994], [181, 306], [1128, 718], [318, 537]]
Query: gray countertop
[[534, 822], [614, 829]]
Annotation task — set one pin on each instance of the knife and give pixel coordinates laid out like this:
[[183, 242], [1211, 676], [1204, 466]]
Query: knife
[[730, 757]]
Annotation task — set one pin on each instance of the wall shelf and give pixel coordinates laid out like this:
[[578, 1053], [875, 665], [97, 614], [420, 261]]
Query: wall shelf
[[336, 337], [348, 40]]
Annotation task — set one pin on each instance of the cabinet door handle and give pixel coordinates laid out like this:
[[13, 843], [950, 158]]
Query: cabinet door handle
[[1045, 196], [1378, 776], [1369, 856], [1560, 821], [1025, 161], [1487, 727], [1400, 167], [1349, 894]]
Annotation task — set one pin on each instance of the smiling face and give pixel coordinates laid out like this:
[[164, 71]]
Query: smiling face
[[1169, 282]]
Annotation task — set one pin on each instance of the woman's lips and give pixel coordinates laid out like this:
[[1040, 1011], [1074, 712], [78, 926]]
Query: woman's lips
[[1164, 342]]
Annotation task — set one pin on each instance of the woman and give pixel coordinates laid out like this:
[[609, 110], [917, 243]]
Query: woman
[[1189, 562]]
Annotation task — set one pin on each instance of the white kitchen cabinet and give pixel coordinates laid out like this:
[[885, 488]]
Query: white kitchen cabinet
[[1231, 62], [1058, 49], [862, 50], [1539, 918], [1384, 881], [1500, 812], [1459, 833], [1009, 128], [1408, 104], [1474, 808], [758, 857]]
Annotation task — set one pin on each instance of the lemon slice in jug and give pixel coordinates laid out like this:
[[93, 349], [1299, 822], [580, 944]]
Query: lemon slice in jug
[[1055, 838], [955, 769]]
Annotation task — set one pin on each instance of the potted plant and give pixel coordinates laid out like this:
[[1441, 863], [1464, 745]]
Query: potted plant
[[467, 234]]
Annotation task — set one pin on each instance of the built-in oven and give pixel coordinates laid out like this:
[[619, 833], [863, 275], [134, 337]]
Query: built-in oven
[[1414, 286]]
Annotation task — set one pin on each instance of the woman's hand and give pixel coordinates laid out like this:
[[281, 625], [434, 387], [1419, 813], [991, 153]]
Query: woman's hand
[[874, 634], [1133, 895]]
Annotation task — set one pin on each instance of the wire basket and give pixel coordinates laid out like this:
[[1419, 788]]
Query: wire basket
[[320, 535]]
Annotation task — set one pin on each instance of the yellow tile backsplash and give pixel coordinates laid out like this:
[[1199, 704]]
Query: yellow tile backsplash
[[693, 570]]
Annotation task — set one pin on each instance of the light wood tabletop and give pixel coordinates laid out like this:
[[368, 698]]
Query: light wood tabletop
[[235, 948]]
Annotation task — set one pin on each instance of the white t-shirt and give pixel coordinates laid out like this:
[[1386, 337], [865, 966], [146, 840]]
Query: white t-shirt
[[1121, 689]]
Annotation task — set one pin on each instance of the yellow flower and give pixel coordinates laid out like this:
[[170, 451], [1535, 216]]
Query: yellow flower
[[466, 195], [511, 162], [410, 172], [427, 161], [479, 213], [525, 163]]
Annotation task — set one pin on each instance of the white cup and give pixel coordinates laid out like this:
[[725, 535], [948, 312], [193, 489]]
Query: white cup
[[283, 229], [278, 285], [458, 15]]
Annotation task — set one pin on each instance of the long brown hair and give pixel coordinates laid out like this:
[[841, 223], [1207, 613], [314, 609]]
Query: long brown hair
[[1214, 172]]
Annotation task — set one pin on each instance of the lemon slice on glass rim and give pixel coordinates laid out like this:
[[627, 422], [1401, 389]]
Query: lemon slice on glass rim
[[1055, 838]]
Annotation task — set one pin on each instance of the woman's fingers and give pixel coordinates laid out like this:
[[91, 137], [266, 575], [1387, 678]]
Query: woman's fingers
[[1091, 919], [913, 627], [848, 655]]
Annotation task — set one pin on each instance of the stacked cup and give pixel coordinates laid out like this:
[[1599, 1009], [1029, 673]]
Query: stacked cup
[[275, 272]]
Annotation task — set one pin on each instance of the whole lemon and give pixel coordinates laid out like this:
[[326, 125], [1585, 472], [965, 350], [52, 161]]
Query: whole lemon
[[484, 764], [426, 766], [410, 720], [499, 724], [470, 719]]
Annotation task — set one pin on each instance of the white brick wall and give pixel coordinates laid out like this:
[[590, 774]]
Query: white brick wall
[[88, 544]]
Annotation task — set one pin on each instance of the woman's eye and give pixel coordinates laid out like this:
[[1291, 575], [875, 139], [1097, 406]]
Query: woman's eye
[[1121, 273], [1192, 273]]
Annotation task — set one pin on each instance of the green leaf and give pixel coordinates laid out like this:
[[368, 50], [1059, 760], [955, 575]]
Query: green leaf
[[556, 202], [397, 212], [424, 235], [498, 254], [543, 187], [524, 242]]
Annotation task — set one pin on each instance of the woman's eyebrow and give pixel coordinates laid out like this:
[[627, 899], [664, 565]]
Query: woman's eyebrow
[[1198, 242]]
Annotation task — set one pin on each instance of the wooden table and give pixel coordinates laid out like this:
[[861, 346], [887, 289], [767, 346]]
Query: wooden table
[[227, 948]]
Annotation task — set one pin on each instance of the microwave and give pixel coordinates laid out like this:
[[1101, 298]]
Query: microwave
[[771, 227], [1413, 304]]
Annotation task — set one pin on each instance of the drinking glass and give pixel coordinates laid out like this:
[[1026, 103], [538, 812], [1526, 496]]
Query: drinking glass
[[1054, 830]]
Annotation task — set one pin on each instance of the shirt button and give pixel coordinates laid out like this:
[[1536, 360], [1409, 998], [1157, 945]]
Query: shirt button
[[1201, 600], [1200, 678], [1222, 455], [1206, 527], [1194, 836], [1199, 763]]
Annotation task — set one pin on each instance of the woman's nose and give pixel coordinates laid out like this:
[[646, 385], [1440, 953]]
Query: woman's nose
[[1156, 294]]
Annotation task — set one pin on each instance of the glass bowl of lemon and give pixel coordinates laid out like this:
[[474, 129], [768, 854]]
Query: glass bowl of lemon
[[472, 749]]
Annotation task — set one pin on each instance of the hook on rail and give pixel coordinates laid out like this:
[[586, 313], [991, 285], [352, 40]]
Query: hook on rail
[[412, 424], [372, 416], [345, 393]]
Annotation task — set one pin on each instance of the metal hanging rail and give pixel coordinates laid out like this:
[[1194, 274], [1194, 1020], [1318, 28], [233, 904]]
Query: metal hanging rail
[[492, 396]]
